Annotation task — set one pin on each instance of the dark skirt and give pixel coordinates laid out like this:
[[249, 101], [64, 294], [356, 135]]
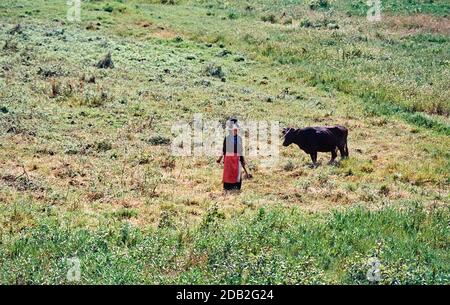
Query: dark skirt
[[232, 186]]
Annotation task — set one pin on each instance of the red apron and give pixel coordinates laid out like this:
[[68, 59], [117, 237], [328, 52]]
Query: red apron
[[231, 168]]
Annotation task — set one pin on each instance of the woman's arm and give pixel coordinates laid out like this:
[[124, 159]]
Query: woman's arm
[[223, 150]]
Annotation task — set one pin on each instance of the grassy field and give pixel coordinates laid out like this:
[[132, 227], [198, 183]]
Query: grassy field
[[85, 163]]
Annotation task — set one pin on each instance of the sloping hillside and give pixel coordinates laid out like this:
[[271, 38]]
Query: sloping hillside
[[85, 153]]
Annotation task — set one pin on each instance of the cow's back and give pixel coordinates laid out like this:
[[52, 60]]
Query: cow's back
[[324, 138], [338, 131]]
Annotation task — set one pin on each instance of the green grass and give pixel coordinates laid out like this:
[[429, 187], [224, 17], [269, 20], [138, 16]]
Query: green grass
[[435, 7], [272, 246]]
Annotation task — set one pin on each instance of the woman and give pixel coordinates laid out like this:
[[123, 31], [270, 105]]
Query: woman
[[233, 159]]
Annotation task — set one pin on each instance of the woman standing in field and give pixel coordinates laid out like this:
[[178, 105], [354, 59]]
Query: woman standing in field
[[233, 159]]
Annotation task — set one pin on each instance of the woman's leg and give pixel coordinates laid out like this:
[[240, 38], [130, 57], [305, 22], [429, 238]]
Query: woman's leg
[[238, 185]]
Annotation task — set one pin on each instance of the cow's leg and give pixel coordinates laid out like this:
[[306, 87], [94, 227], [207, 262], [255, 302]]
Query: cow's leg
[[314, 158], [342, 151], [333, 156]]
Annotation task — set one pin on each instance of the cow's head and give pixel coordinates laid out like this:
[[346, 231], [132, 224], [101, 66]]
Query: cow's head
[[288, 134]]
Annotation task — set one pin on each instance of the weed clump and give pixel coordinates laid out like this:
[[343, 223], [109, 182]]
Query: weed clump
[[95, 99], [103, 146], [151, 179], [332, 26], [224, 53], [22, 183], [384, 190], [165, 220], [306, 23], [47, 72], [91, 79], [271, 18], [288, 166], [17, 29], [125, 213], [287, 21], [318, 24], [10, 45], [269, 99], [249, 8], [214, 70], [56, 89], [108, 8], [168, 2], [318, 4], [211, 217], [93, 26], [106, 63], [159, 140], [232, 16]]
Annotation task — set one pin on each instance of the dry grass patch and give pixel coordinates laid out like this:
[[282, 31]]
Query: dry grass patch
[[418, 23]]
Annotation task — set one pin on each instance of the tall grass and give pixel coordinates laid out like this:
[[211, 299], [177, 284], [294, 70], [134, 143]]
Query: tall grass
[[269, 246]]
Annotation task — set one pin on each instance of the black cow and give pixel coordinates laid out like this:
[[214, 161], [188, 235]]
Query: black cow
[[315, 139]]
